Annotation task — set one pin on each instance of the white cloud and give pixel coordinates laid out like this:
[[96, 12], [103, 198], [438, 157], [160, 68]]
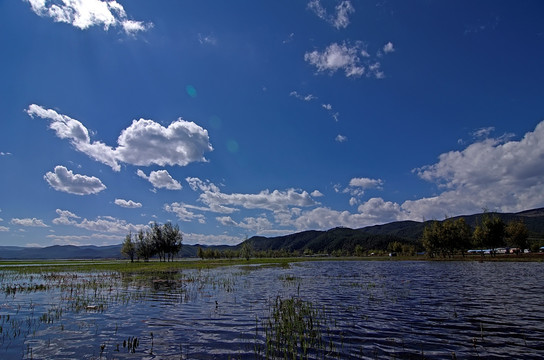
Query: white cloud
[[28, 222], [341, 138], [184, 213], [203, 239], [102, 224], [143, 143], [327, 106], [219, 202], [207, 39], [366, 183], [340, 19], [316, 193], [80, 240], [146, 142], [388, 48], [256, 224], [65, 218], [4, 228], [128, 203], [160, 179], [492, 173], [289, 39], [68, 128], [337, 57], [65, 180], [483, 132], [266, 200], [308, 97], [86, 13], [2, 153]]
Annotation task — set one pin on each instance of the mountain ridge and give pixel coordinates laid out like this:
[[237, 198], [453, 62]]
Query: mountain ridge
[[317, 241]]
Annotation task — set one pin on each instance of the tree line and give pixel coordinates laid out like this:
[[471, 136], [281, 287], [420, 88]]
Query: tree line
[[162, 240], [449, 237]]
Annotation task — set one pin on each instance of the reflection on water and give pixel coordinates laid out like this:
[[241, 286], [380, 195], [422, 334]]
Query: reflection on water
[[373, 310]]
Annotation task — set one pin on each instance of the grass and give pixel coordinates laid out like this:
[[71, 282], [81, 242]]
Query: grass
[[124, 266]]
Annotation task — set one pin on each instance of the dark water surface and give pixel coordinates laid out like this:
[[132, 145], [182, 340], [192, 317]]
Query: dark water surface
[[370, 310]]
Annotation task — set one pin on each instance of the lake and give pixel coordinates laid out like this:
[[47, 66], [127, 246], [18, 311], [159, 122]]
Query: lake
[[329, 309]]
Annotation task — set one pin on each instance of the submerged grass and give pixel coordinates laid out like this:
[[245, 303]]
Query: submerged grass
[[295, 329]]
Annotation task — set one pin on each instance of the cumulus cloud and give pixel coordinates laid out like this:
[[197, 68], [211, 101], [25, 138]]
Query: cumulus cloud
[[102, 224], [316, 193], [146, 142], [84, 14], [256, 224], [218, 202], [4, 228], [67, 128], [492, 173], [128, 203], [388, 48], [266, 200], [65, 217], [28, 222], [340, 18], [337, 57], [184, 212], [143, 143], [160, 179], [65, 180], [366, 183], [498, 174]]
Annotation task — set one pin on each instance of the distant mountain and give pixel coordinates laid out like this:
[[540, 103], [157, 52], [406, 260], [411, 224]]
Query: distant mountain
[[343, 239]]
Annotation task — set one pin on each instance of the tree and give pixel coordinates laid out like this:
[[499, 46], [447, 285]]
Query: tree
[[172, 239], [359, 251], [246, 250], [464, 235], [145, 248], [517, 234], [200, 253], [129, 248], [490, 233], [431, 238], [159, 241]]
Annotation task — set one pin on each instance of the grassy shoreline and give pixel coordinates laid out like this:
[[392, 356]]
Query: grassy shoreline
[[31, 266]]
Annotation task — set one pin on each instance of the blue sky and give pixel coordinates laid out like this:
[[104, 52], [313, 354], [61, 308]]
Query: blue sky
[[242, 118]]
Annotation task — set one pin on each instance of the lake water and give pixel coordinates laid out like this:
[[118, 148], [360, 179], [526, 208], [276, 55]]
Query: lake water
[[368, 310]]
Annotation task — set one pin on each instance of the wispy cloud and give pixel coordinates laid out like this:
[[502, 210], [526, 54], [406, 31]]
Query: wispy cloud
[[308, 97], [84, 14], [353, 59], [341, 138], [143, 143], [340, 17], [62, 179], [207, 39]]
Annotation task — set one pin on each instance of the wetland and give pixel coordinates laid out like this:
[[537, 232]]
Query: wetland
[[286, 310]]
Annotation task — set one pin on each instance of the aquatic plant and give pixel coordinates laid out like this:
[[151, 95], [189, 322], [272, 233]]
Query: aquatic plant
[[295, 329]]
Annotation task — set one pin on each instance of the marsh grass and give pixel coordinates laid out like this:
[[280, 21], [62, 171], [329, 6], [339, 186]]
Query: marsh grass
[[295, 329]]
